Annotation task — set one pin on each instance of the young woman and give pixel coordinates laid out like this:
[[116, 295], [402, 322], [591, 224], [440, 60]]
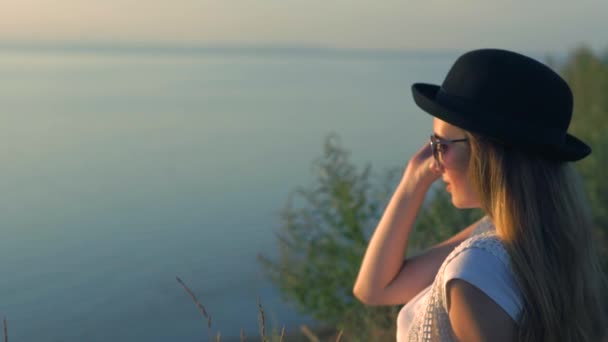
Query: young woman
[[528, 270]]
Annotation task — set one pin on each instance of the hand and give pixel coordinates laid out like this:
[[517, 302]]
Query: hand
[[422, 169]]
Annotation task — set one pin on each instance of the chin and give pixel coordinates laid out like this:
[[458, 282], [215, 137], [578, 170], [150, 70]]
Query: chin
[[458, 205]]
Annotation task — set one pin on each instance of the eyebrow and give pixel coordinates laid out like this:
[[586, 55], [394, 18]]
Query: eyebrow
[[448, 140], [439, 136]]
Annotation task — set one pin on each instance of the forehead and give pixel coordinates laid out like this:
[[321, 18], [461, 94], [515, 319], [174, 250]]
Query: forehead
[[446, 130]]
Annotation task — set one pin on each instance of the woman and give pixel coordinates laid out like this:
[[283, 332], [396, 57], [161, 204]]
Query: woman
[[528, 270]]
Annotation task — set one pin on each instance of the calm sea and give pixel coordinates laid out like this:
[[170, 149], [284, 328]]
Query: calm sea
[[124, 169]]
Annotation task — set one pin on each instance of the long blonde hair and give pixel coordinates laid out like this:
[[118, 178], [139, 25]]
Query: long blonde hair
[[540, 212]]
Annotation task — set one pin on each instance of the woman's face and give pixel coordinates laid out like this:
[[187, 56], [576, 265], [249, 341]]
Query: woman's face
[[455, 165]]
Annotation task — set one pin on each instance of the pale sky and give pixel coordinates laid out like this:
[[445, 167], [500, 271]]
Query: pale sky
[[543, 25]]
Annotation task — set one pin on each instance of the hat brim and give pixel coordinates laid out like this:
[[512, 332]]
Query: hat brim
[[472, 119]]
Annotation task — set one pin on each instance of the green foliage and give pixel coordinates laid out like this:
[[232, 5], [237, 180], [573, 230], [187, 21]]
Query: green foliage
[[322, 238], [587, 75]]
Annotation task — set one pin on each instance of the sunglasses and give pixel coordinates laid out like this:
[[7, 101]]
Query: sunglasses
[[440, 147]]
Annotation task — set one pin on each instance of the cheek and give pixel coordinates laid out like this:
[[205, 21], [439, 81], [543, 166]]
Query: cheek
[[458, 178], [457, 161], [463, 192], [456, 169]]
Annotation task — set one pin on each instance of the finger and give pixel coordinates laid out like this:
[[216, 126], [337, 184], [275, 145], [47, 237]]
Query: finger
[[435, 167]]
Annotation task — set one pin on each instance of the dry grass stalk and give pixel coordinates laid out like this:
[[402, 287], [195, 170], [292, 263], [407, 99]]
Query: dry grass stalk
[[305, 329], [195, 300], [263, 327], [309, 334], [198, 305], [339, 336]]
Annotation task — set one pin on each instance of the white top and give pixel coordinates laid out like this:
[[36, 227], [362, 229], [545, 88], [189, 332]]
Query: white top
[[481, 269]]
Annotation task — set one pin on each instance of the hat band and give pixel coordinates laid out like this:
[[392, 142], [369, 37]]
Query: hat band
[[528, 131]]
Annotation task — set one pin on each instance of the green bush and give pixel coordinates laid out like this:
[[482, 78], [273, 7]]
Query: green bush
[[587, 75]]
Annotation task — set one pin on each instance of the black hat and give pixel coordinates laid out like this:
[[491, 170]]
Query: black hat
[[507, 97]]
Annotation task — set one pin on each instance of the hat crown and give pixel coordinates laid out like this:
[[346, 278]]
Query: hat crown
[[510, 84]]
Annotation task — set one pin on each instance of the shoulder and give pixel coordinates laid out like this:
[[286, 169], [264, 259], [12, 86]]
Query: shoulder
[[476, 317], [480, 292], [484, 264]]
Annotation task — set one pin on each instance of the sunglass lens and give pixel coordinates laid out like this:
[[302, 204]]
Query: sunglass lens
[[435, 148]]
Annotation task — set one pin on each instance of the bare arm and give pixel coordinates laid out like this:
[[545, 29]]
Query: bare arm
[[384, 278], [384, 254], [476, 317], [416, 273]]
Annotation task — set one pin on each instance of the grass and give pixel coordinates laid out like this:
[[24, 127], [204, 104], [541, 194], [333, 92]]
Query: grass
[[305, 334]]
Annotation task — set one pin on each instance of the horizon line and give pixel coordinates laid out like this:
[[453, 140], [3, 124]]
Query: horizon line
[[101, 46]]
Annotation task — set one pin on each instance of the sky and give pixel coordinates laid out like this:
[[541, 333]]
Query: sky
[[540, 25]]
